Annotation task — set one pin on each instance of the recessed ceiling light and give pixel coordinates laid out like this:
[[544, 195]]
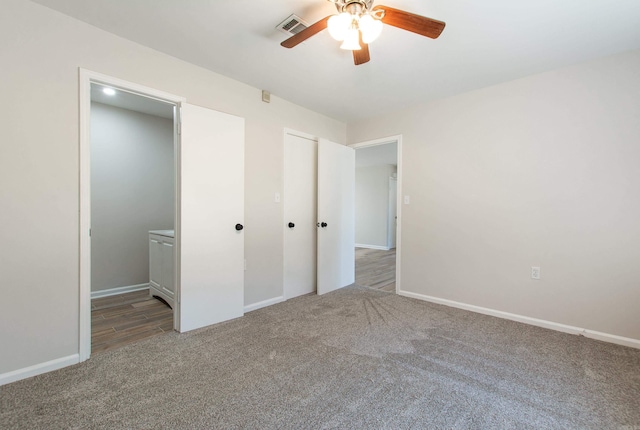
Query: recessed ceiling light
[[109, 91]]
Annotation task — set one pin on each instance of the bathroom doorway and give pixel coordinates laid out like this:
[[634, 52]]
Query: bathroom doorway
[[132, 177]]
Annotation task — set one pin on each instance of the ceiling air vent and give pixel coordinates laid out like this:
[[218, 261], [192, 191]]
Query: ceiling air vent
[[292, 25]]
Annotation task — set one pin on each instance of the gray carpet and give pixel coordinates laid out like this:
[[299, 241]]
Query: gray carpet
[[353, 359]]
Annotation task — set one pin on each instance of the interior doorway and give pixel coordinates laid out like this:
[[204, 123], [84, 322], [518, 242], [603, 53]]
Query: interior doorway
[[207, 274], [125, 103], [377, 217], [132, 194]]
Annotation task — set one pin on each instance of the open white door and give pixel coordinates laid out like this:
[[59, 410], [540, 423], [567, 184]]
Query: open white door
[[336, 216], [211, 240]]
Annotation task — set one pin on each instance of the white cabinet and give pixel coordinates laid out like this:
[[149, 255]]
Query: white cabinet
[[161, 267]]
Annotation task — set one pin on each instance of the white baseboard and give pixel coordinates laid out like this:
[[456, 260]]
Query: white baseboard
[[37, 369], [383, 248], [118, 290], [605, 337], [263, 304]]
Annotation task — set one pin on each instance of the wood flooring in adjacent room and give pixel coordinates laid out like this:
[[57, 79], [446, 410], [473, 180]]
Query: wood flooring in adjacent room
[[126, 318], [376, 269]]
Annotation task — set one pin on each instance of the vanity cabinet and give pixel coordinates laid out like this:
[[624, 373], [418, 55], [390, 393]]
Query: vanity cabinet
[[161, 265]]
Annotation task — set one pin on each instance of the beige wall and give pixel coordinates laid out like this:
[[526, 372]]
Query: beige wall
[[41, 51], [542, 171]]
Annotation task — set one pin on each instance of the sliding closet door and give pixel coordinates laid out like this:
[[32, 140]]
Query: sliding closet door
[[211, 264], [336, 216]]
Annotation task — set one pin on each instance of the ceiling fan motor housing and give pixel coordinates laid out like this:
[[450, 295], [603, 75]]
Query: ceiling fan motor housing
[[354, 7]]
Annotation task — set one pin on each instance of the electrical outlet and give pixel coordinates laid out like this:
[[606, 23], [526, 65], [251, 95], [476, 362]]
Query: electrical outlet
[[535, 272], [407, 200], [276, 198]]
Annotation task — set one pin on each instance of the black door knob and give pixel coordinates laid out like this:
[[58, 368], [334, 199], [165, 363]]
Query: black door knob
[[239, 227], [323, 224], [291, 225]]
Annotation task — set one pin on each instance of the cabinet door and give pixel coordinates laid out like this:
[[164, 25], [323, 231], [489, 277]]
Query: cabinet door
[[167, 268], [155, 262]]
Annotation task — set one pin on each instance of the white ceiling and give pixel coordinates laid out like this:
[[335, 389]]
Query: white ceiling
[[130, 101], [485, 42]]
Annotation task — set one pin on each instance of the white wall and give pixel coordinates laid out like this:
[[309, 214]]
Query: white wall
[[41, 51], [372, 204], [542, 171], [132, 192]]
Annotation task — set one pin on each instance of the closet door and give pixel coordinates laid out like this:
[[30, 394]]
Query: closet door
[[336, 216], [210, 228], [300, 196]]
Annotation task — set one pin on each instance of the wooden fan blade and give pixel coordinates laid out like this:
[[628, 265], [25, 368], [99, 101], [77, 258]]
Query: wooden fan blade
[[361, 56], [306, 33], [411, 22]]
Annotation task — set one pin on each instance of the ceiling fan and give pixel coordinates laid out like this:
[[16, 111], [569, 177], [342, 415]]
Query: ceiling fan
[[358, 23]]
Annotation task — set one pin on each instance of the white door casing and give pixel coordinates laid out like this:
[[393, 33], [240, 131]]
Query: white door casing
[[336, 216], [300, 207], [392, 216], [211, 205]]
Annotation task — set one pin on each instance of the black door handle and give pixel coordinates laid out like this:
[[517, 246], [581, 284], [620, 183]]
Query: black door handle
[[323, 224], [239, 227], [291, 225]]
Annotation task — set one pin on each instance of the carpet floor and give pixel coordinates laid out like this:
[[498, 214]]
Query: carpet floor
[[356, 358]]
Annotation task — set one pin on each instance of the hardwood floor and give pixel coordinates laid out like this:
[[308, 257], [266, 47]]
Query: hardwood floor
[[376, 269], [126, 318]]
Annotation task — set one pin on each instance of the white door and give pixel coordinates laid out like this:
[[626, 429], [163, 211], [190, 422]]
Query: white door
[[393, 212], [300, 197], [336, 216], [211, 239]]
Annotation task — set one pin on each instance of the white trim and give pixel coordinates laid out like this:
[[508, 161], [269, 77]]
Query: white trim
[[377, 142], [38, 369], [263, 304], [119, 290], [383, 248], [382, 141], [86, 77], [611, 338], [300, 134]]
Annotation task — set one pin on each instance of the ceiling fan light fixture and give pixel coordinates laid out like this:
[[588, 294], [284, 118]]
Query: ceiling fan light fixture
[[339, 25], [370, 28], [351, 40]]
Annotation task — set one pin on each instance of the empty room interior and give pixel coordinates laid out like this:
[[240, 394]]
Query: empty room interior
[[320, 214]]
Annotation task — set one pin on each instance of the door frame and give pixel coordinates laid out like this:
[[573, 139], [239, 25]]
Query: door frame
[[392, 221], [86, 78], [383, 141]]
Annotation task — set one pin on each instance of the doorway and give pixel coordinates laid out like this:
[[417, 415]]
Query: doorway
[[131, 184], [377, 218], [132, 193], [207, 253]]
